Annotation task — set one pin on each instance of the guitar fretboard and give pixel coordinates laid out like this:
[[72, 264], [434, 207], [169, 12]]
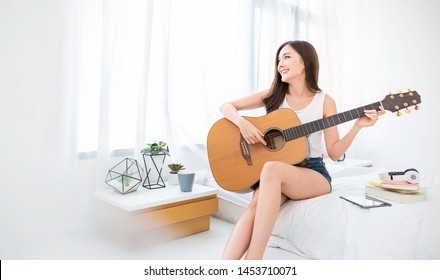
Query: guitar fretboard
[[311, 127]]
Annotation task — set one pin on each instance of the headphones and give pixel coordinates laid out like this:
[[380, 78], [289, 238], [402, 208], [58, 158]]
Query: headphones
[[410, 175]]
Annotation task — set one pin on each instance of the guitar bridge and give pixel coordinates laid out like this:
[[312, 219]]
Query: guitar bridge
[[244, 148]]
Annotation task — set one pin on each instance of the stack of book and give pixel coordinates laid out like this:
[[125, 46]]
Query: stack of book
[[399, 191]]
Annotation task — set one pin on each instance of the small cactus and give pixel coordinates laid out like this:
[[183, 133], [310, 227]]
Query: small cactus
[[175, 167]]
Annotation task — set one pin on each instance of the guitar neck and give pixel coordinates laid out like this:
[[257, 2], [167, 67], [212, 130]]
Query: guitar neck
[[321, 124]]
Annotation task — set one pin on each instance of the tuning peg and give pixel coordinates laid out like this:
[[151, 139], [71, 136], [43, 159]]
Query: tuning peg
[[417, 107], [390, 92], [407, 111], [399, 113]]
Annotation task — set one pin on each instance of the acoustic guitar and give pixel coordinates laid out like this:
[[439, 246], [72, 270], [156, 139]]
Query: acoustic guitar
[[236, 166]]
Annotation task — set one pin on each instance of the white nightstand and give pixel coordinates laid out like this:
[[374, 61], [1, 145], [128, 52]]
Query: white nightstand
[[150, 216]]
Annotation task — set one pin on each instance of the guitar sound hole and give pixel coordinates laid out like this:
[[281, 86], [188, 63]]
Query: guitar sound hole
[[274, 139]]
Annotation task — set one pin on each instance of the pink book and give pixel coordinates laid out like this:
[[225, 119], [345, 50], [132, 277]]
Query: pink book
[[395, 182], [399, 185]]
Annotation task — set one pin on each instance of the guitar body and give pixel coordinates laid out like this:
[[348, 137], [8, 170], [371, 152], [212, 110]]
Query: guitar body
[[234, 171]]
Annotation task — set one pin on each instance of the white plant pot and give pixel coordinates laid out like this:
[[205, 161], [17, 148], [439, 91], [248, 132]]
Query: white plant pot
[[173, 179]]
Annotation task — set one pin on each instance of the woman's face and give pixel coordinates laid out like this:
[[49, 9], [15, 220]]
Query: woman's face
[[290, 64]]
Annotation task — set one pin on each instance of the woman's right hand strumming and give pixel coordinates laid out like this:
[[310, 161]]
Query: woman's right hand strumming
[[250, 133], [230, 111]]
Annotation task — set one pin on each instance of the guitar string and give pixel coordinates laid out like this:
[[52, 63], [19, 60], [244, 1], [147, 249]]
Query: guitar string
[[311, 127]]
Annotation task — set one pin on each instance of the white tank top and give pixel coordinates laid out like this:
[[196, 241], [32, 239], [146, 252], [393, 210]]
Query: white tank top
[[313, 111]]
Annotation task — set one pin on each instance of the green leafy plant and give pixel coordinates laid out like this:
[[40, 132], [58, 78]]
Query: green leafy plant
[[155, 149], [125, 178], [175, 167]]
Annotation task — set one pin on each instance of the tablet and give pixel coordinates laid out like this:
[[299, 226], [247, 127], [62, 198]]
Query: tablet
[[365, 201]]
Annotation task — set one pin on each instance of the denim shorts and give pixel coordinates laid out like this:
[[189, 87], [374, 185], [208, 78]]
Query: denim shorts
[[318, 165]]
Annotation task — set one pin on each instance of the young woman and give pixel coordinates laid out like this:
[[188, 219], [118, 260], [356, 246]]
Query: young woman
[[295, 86]]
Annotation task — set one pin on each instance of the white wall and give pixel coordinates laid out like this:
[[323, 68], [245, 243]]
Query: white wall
[[401, 43], [42, 197]]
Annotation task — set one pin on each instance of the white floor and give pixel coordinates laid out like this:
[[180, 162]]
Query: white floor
[[205, 245], [90, 245]]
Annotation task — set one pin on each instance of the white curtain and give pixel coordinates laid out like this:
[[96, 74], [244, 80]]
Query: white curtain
[[207, 62], [158, 71]]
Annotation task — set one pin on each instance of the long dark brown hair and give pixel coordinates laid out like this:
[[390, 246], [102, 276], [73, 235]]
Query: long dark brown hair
[[279, 88]]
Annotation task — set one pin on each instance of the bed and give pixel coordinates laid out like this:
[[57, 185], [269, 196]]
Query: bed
[[328, 227]]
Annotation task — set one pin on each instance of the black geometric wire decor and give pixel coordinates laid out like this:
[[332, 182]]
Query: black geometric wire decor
[[125, 177], [153, 167]]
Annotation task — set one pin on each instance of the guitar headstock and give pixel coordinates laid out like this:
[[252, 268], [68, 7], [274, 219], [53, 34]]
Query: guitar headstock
[[401, 100]]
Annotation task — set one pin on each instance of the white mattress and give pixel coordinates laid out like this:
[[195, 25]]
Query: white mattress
[[328, 227]]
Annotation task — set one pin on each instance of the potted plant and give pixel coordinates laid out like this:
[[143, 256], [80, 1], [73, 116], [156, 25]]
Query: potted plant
[[154, 157], [125, 178], [175, 168], [155, 149]]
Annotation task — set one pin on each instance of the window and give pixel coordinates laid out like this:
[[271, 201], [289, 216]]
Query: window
[[158, 70]]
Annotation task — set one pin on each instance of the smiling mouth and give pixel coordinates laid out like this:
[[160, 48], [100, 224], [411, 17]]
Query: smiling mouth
[[284, 71]]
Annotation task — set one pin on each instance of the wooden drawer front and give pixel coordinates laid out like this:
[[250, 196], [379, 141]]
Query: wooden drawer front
[[171, 214]]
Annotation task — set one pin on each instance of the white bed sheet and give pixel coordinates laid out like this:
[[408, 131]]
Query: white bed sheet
[[328, 227]]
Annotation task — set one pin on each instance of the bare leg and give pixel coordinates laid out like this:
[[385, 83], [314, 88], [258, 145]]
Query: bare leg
[[279, 178], [240, 238], [241, 235]]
